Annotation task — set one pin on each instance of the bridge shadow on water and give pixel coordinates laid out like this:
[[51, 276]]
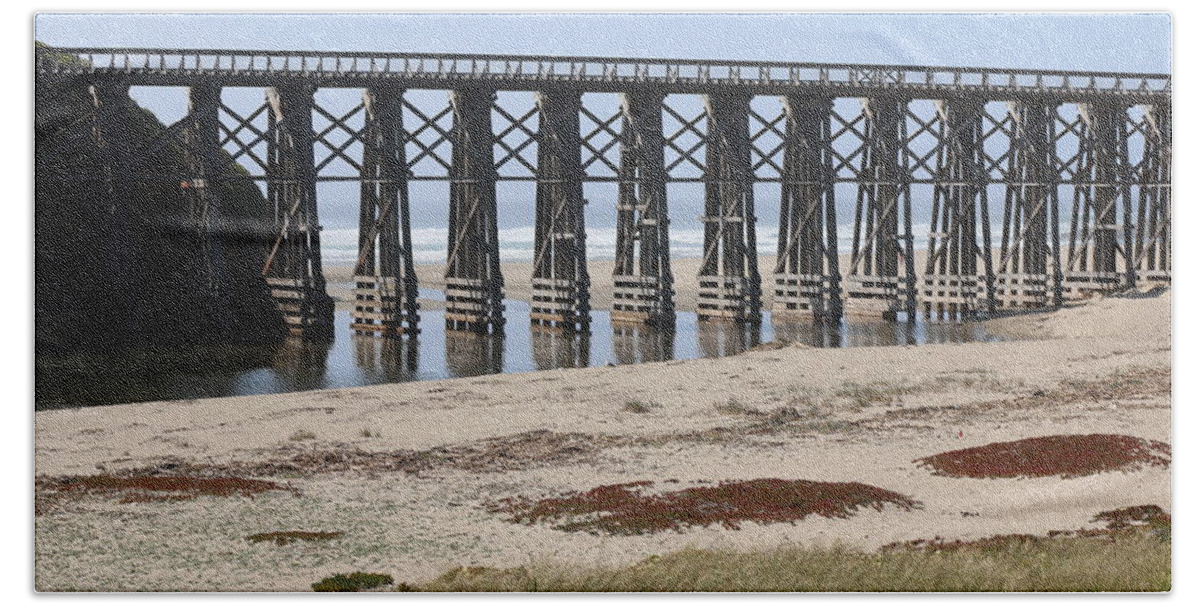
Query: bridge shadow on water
[[353, 360]]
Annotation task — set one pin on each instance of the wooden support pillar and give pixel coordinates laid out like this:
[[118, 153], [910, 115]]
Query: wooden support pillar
[[1027, 271], [1056, 259], [560, 275], [293, 267], [1124, 190], [474, 286], [1153, 240], [643, 286], [385, 282], [730, 286], [875, 285], [807, 278], [954, 281], [1100, 222]]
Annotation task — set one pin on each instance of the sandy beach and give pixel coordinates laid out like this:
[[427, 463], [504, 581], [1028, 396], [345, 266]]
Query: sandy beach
[[406, 471]]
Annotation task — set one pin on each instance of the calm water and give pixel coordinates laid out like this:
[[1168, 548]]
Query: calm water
[[351, 360]]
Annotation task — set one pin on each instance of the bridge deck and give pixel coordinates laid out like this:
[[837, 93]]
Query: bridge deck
[[181, 67]]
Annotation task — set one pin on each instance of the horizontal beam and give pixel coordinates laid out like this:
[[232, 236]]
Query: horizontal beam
[[379, 59], [79, 178], [179, 67]]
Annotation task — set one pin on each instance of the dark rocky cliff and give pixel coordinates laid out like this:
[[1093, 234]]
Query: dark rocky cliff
[[133, 275]]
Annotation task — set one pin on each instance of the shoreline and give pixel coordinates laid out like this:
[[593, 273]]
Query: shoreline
[[865, 414], [518, 284]]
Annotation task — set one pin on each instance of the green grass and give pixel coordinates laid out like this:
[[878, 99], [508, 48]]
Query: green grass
[[356, 581], [1136, 563]]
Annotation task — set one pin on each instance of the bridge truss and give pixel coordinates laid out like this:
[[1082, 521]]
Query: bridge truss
[[977, 147]]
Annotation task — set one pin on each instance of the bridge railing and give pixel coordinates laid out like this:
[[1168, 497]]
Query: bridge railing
[[448, 67]]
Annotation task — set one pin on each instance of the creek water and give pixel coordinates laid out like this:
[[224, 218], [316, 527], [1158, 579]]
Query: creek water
[[353, 360]]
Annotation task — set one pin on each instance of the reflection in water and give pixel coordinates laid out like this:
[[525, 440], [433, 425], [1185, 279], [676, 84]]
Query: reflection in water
[[152, 375], [813, 333], [351, 360], [877, 333], [642, 344], [554, 348], [301, 366], [472, 354], [723, 338], [390, 359], [950, 333]]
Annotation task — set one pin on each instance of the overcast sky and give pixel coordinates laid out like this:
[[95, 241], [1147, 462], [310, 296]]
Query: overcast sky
[[1065, 41], [1125, 42]]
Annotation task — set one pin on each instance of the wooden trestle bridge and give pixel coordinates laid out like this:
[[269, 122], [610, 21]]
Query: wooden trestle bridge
[[1089, 147]]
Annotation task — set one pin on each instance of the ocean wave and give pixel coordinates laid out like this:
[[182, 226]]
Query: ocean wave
[[340, 246]]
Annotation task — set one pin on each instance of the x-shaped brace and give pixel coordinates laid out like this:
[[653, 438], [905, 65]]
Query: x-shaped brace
[[516, 124], [687, 126], [339, 123], [428, 150], [602, 126]]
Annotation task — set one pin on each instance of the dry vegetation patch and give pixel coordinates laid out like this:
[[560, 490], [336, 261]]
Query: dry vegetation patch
[[1131, 383], [1053, 455], [288, 537], [628, 508], [1151, 517], [492, 455], [1144, 521], [640, 407], [134, 487]]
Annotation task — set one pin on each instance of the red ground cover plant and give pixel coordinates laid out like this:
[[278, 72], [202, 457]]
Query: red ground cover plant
[[627, 509], [1063, 455]]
